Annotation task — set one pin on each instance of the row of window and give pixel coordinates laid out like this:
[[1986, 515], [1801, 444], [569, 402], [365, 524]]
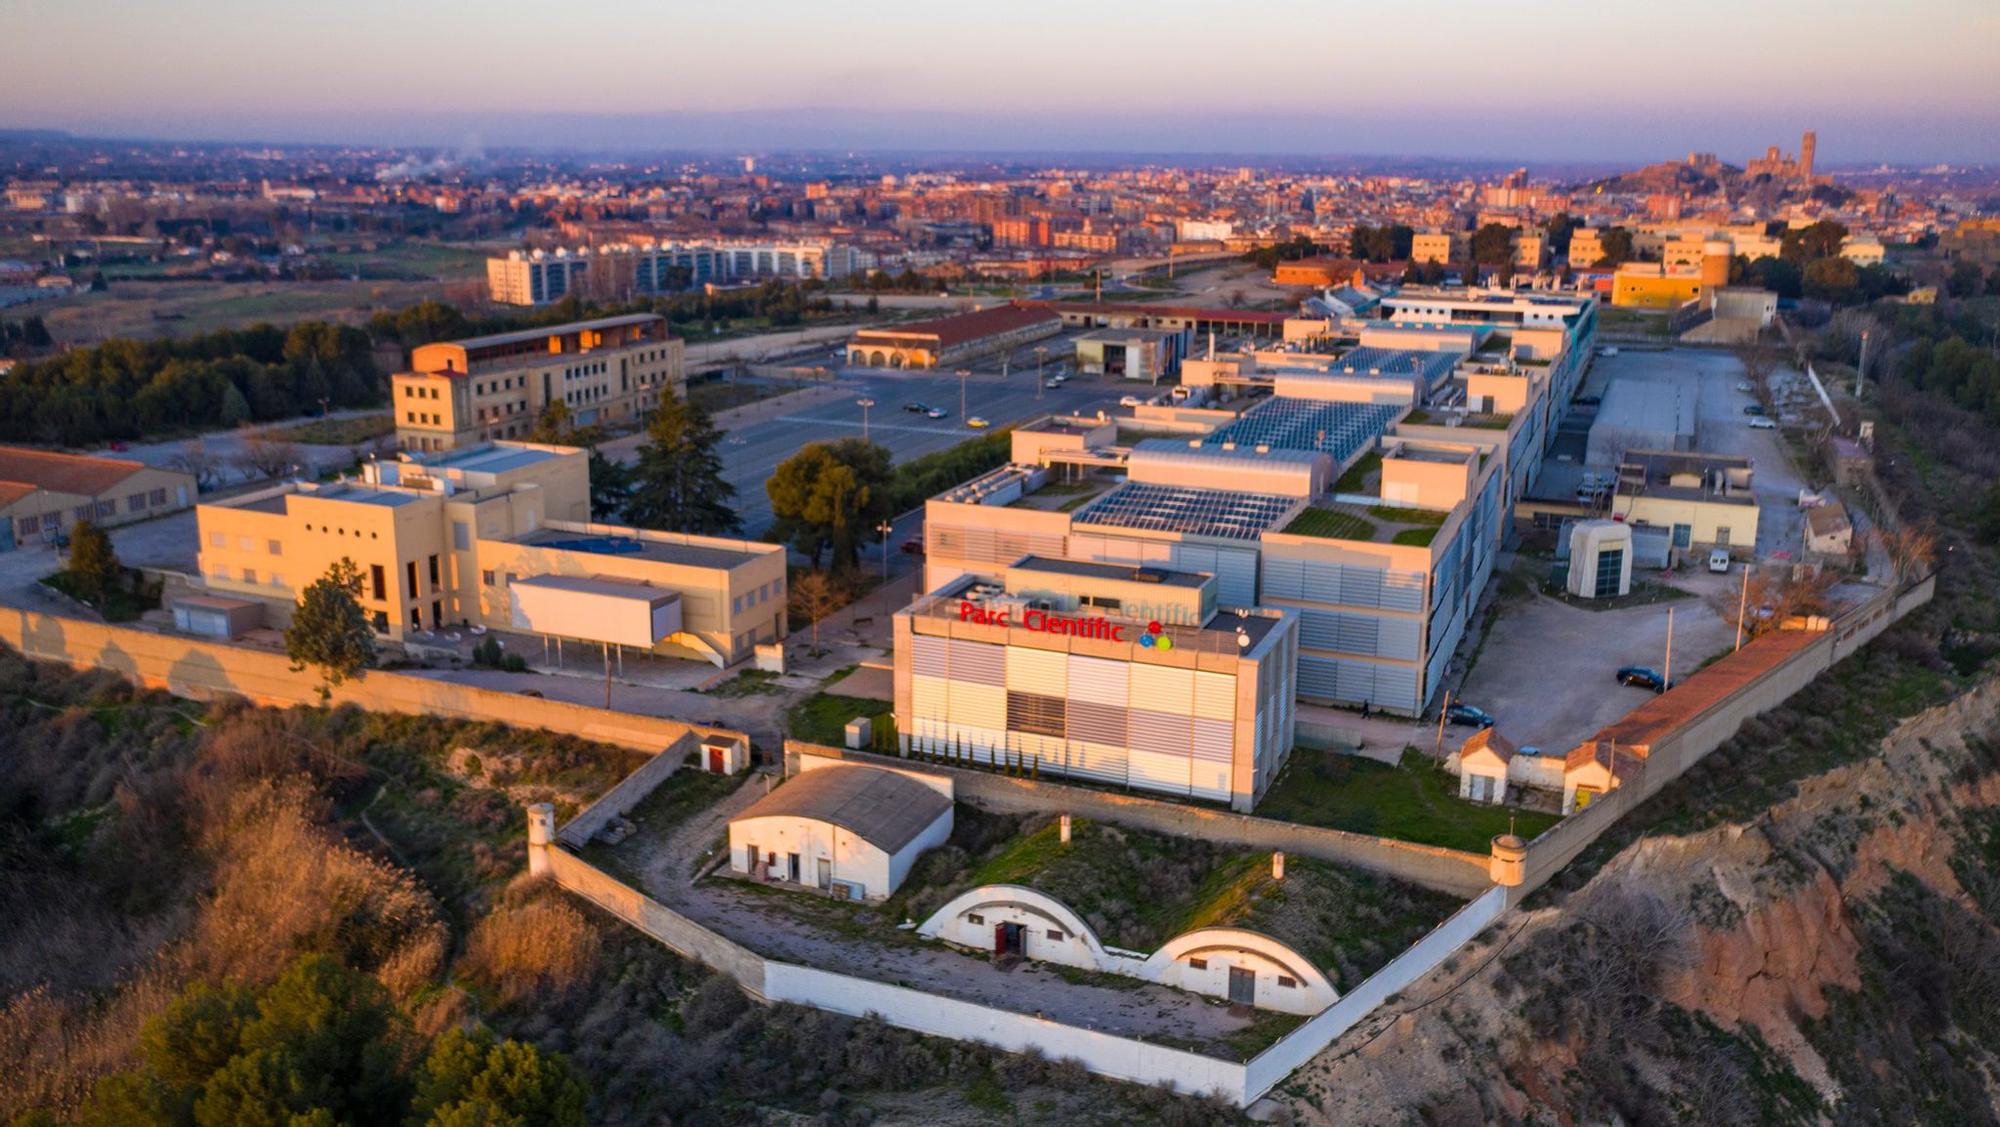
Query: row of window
[[417, 391], [754, 597], [247, 544], [496, 386], [248, 575]]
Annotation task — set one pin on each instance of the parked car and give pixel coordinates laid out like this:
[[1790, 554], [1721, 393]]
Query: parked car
[[1608, 350], [1641, 677], [1744, 386], [977, 422], [915, 408], [1718, 560], [1587, 400], [1129, 401], [1052, 383], [1753, 408], [934, 413], [914, 546], [1469, 715], [1762, 424]]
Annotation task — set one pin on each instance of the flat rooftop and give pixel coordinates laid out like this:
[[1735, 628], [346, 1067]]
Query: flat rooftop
[[1368, 524], [489, 459], [646, 548], [610, 585], [1222, 513], [1157, 576], [523, 336], [1369, 360], [1336, 428]]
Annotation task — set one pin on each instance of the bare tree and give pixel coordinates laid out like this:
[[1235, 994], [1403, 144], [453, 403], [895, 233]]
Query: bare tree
[[814, 595], [1911, 550], [267, 453], [1777, 594], [1758, 359], [196, 460]]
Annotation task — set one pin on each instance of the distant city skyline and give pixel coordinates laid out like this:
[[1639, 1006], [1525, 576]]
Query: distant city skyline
[[1566, 81]]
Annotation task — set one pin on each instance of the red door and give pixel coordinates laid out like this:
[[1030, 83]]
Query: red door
[[715, 760]]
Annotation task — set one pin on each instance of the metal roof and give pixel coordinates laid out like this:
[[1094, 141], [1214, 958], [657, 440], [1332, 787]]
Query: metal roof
[[491, 459], [1178, 450], [886, 809], [606, 585], [1201, 512]]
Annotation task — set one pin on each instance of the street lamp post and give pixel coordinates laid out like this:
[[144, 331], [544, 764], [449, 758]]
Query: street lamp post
[[962, 373], [864, 404], [1041, 354], [885, 528]]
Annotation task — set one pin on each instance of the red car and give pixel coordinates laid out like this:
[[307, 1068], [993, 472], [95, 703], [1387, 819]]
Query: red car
[[913, 546]]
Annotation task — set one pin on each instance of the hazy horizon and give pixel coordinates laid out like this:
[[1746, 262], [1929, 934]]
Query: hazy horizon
[[1574, 82]]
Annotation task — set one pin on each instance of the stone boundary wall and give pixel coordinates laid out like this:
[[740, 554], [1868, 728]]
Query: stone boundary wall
[[1294, 1049], [1451, 871], [681, 935], [628, 793], [204, 670], [1693, 741]]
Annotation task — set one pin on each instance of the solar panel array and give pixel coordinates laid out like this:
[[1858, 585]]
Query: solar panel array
[[1398, 362], [1200, 512], [1335, 428]]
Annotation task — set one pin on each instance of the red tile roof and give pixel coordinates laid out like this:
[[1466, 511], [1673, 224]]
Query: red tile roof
[[78, 474], [963, 327], [1658, 718]]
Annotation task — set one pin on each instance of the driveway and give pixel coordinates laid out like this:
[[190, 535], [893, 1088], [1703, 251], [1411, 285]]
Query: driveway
[[1545, 672]]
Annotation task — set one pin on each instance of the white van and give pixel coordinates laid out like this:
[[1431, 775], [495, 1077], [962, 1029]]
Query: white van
[[1718, 560]]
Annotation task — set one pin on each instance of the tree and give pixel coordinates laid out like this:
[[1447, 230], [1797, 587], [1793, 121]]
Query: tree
[[1617, 245], [1965, 279], [1493, 245], [93, 565], [329, 630], [814, 595], [830, 496], [196, 461], [469, 1080], [610, 487], [556, 426], [1814, 241], [1834, 280], [267, 453], [1778, 275], [678, 483], [1556, 232]]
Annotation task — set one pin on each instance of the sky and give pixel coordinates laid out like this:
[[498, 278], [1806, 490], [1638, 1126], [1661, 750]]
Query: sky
[[1549, 80]]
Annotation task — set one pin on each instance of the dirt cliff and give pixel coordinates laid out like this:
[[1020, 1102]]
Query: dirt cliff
[[1834, 959]]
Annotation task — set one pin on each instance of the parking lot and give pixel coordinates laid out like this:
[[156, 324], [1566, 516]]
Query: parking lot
[[752, 451]]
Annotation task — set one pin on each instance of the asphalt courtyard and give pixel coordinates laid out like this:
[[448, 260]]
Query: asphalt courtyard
[[751, 452]]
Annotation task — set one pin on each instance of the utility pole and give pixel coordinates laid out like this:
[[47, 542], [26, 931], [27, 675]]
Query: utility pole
[[962, 373], [864, 403], [1443, 711], [1041, 354], [1742, 605], [885, 528], [607, 676], [1861, 368], [1667, 674]]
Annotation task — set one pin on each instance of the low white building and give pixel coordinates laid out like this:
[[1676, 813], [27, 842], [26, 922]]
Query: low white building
[[842, 829], [1600, 559], [1482, 767], [1246, 967]]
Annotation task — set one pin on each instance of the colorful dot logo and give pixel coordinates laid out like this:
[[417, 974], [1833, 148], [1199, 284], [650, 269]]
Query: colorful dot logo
[[1153, 639]]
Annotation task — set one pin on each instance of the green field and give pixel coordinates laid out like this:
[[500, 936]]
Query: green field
[[1417, 801]]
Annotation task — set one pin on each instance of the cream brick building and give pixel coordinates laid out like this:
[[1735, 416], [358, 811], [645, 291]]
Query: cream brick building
[[498, 536], [608, 372]]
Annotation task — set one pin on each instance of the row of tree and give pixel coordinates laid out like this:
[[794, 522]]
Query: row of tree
[[124, 389]]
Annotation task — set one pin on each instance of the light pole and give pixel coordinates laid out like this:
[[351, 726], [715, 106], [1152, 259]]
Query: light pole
[[962, 373], [1041, 354], [885, 528], [864, 404]]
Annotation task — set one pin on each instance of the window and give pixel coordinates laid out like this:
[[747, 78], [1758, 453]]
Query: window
[[1198, 964], [1287, 980], [486, 577], [974, 918], [1722, 535], [461, 535], [275, 547], [159, 497], [410, 571], [381, 620], [82, 512], [136, 503], [249, 575], [277, 580], [379, 585], [434, 572], [1056, 934]]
